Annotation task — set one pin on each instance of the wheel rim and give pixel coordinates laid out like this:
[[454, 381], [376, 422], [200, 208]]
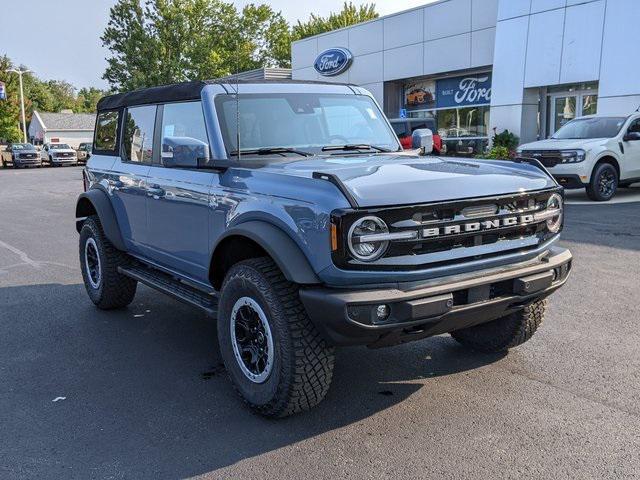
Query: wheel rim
[[251, 339], [92, 263], [606, 183]]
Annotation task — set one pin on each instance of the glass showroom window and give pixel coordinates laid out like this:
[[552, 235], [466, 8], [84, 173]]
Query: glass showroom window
[[465, 130]]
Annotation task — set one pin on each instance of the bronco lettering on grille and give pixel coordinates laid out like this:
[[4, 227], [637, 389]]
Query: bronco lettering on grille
[[478, 226]]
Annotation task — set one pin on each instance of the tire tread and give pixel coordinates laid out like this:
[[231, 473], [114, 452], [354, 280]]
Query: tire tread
[[118, 290]]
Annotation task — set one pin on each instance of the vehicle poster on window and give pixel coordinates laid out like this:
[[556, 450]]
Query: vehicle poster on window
[[420, 95]]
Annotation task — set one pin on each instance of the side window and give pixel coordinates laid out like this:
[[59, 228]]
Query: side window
[[634, 127], [138, 134], [106, 131], [184, 135]]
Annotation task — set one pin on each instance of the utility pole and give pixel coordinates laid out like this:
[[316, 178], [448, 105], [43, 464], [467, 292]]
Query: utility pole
[[24, 118]]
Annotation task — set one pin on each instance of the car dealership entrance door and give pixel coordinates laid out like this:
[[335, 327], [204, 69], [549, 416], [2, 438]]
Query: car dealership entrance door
[[568, 103]]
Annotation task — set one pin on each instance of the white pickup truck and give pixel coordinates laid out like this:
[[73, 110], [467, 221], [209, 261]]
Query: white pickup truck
[[596, 152], [57, 154]]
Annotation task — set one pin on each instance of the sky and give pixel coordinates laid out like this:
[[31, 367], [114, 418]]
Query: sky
[[61, 39]]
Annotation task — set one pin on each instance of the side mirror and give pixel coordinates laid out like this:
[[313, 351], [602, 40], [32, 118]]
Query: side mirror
[[184, 152], [631, 137], [422, 138]]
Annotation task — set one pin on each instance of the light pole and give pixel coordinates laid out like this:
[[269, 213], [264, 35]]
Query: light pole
[[24, 118]]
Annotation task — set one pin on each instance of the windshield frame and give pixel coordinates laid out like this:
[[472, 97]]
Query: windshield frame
[[623, 120], [220, 121]]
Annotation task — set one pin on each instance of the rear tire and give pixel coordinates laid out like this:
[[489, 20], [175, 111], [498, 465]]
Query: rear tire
[[504, 333], [99, 262], [604, 183], [260, 309]]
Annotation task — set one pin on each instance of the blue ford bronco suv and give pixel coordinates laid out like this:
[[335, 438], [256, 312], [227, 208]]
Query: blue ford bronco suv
[[288, 211]]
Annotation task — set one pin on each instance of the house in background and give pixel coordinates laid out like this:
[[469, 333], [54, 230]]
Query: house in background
[[64, 127]]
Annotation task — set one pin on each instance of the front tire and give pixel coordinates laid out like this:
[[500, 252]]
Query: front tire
[[603, 184], [99, 262], [504, 333], [275, 357]]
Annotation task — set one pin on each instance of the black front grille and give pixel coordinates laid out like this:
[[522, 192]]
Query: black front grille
[[548, 158], [442, 215], [27, 155]]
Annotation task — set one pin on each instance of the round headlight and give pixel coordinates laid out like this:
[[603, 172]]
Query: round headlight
[[363, 244], [555, 203]]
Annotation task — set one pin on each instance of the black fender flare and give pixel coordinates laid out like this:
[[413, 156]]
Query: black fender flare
[[97, 201], [281, 248]]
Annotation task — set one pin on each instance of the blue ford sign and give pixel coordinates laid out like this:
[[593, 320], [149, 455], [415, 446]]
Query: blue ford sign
[[463, 91], [3, 92], [333, 62]]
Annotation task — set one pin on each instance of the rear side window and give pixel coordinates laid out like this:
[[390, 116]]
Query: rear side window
[[106, 135], [138, 134], [184, 135]]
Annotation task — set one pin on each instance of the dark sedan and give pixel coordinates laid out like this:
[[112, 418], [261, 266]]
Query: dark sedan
[[22, 155]]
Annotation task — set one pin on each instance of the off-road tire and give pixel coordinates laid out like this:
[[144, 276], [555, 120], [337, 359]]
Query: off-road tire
[[504, 333], [114, 290], [593, 190], [303, 362]]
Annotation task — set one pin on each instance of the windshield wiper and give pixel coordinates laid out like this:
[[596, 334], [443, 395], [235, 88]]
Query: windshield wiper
[[354, 146], [270, 151]]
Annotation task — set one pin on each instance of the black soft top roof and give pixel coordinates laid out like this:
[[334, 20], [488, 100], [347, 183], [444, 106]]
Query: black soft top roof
[[178, 92], [166, 93]]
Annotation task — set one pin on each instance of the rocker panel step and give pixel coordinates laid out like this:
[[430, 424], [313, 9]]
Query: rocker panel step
[[174, 288]]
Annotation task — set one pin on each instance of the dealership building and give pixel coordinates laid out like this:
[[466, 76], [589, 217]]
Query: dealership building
[[527, 66]]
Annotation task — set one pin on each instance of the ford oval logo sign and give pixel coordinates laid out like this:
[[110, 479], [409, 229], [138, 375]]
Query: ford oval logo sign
[[333, 62]]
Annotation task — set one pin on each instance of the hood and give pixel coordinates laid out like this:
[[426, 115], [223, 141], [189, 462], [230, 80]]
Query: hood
[[62, 150], [384, 180], [551, 144]]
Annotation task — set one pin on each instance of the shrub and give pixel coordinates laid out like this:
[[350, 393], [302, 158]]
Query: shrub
[[497, 153], [506, 139]]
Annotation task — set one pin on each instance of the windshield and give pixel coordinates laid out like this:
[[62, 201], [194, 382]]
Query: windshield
[[593, 127], [22, 146], [59, 146], [302, 121]]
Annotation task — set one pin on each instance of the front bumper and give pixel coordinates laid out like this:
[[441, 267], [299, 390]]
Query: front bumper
[[348, 316], [570, 181], [27, 162], [64, 160]]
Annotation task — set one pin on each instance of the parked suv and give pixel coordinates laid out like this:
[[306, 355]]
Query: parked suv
[[23, 155], [597, 152], [289, 212], [59, 154], [84, 152]]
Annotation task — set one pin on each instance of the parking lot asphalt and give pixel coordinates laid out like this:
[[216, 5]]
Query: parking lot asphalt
[[140, 393]]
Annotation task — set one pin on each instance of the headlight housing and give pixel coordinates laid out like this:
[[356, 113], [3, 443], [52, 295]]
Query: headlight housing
[[573, 156], [554, 205], [363, 240]]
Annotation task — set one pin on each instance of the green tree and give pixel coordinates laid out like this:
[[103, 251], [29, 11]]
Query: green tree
[[10, 107], [88, 99], [154, 42], [349, 15]]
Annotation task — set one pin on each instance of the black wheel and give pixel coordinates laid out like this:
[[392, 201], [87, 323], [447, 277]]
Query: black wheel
[[604, 183], [504, 333], [99, 261], [275, 357]]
